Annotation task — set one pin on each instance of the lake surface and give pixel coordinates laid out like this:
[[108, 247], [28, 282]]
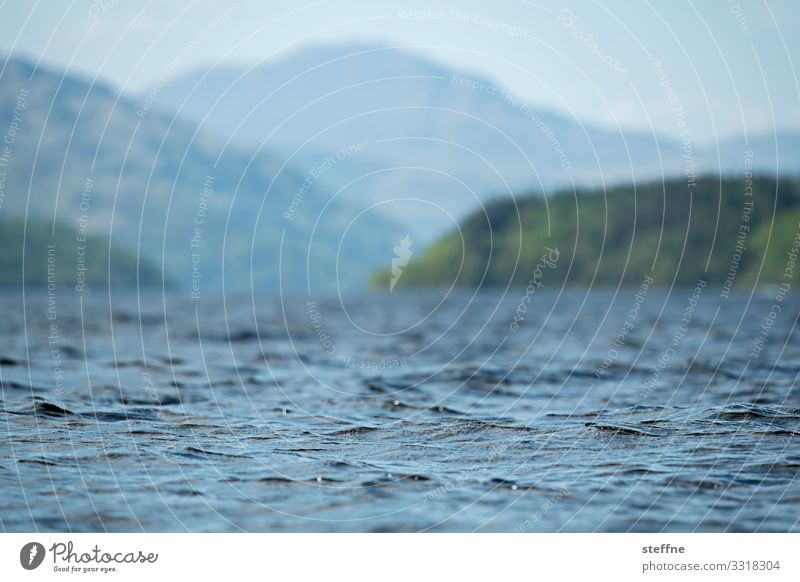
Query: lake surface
[[640, 410]]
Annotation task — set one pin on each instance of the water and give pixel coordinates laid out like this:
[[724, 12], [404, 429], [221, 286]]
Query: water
[[639, 410]]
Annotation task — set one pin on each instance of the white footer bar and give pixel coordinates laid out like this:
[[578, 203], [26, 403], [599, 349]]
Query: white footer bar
[[355, 557]]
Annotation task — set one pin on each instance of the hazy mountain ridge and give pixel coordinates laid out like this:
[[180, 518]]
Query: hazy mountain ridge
[[453, 137], [83, 153], [337, 164]]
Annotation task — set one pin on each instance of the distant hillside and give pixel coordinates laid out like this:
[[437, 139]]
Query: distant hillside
[[451, 137], [671, 232], [158, 186], [40, 255]]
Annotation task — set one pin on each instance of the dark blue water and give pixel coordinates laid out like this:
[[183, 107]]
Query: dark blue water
[[635, 411]]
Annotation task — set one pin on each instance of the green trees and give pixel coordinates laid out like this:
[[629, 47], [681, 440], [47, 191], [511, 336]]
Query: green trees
[[719, 229], [65, 256]]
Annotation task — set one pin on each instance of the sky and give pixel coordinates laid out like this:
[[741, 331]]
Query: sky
[[715, 68]]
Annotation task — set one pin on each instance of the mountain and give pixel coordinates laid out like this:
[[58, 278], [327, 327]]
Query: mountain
[[438, 142], [717, 230], [39, 255], [158, 187]]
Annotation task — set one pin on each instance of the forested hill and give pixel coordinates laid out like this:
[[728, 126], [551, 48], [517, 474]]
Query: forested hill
[[39, 255], [729, 231]]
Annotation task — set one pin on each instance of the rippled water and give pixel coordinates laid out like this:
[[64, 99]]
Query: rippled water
[[401, 412]]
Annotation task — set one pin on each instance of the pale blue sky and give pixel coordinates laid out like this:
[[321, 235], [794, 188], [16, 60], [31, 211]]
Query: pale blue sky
[[731, 63]]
